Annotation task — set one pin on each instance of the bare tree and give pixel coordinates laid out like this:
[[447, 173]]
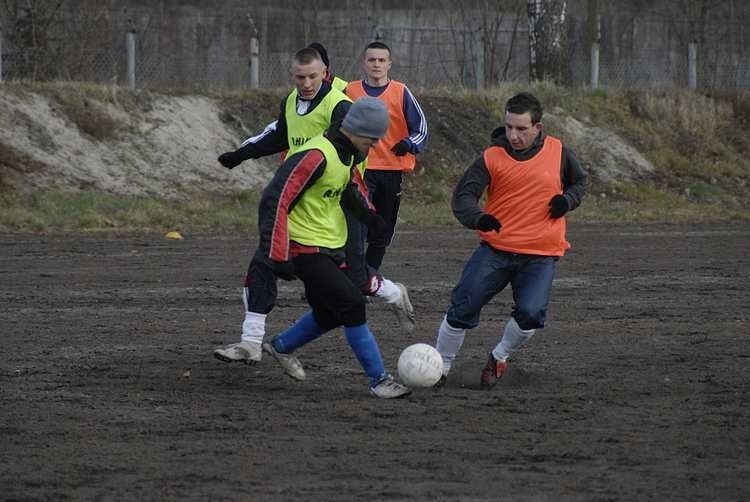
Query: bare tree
[[32, 30], [547, 42]]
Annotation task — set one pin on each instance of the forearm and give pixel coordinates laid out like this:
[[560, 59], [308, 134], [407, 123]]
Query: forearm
[[575, 179], [465, 200], [416, 123]]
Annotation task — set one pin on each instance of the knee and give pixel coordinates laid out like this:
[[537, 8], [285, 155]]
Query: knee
[[530, 319], [354, 312], [457, 322]]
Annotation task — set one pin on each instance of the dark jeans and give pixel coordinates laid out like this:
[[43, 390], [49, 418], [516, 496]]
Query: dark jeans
[[488, 272]]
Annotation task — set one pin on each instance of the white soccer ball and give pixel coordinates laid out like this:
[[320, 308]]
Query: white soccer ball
[[420, 365]]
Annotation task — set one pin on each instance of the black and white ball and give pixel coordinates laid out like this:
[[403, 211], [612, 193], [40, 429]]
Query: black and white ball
[[420, 365]]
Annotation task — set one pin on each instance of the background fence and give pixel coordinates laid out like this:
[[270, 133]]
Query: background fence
[[158, 46]]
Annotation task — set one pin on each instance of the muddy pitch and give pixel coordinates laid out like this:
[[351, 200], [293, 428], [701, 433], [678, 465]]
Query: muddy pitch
[[637, 389]]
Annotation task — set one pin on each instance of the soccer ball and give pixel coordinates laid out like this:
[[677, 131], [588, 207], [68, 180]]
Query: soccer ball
[[420, 365]]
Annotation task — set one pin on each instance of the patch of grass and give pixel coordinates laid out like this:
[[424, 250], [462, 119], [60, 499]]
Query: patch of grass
[[58, 212]]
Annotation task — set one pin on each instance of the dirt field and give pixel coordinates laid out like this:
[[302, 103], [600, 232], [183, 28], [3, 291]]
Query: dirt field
[[638, 388]]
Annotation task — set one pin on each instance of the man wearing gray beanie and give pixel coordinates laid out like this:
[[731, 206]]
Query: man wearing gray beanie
[[303, 230], [301, 118]]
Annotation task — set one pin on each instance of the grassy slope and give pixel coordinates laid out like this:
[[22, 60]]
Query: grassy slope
[[699, 144]]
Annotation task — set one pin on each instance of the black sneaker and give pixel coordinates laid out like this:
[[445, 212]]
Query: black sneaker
[[492, 372], [440, 383]]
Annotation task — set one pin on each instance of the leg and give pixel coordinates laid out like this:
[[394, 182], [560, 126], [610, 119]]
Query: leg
[[531, 284], [259, 297], [485, 274], [369, 281], [336, 301], [385, 190]]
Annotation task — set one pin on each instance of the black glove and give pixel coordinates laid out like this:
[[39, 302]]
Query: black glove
[[230, 159], [487, 222], [401, 148], [284, 270], [558, 206], [376, 225]]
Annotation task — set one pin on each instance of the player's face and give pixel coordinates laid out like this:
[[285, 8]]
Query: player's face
[[363, 144], [519, 130], [377, 63], [308, 78]]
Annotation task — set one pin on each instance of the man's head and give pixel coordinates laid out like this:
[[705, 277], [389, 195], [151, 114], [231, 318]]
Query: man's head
[[365, 123], [523, 115], [376, 62], [308, 71]]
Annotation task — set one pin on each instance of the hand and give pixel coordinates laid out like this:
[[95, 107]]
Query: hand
[[558, 206], [376, 225], [230, 160], [487, 223], [284, 270], [401, 148]]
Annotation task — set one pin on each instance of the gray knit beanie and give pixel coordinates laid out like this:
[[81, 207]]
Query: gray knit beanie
[[367, 117]]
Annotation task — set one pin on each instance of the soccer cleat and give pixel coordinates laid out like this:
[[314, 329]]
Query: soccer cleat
[[388, 388], [403, 309], [242, 352], [441, 382], [291, 364], [492, 372]]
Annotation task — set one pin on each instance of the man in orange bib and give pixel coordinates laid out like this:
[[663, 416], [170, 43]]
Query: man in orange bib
[[531, 181], [396, 153]]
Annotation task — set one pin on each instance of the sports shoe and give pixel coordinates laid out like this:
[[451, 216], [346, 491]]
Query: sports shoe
[[388, 388], [492, 372], [441, 382], [291, 364], [242, 352], [403, 309]]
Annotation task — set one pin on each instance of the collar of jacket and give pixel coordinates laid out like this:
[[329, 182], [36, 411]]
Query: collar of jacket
[[500, 139], [325, 88], [344, 147]]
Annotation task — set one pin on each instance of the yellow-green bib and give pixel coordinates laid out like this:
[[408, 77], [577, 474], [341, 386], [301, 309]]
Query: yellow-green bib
[[300, 128], [317, 219]]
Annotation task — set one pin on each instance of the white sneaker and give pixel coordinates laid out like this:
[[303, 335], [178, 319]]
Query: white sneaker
[[242, 352], [388, 388], [291, 364], [403, 309]]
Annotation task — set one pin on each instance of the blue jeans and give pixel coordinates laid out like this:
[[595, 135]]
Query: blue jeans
[[487, 273]]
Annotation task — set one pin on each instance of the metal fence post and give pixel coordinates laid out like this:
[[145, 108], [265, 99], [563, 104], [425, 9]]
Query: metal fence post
[[254, 63], [1, 56], [692, 66], [595, 54], [595, 65], [130, 47]]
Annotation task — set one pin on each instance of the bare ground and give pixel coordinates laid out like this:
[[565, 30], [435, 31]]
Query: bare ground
[[636, 390]]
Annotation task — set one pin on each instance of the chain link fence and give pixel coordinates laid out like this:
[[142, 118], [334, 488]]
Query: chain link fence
[[424, 57]]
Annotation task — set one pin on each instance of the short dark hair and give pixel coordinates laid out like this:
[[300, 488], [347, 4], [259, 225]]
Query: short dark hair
[[378, 45], [307, 56], [524, 102]]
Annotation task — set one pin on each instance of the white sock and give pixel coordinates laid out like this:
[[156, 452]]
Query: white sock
[[254, 328], [513, 338], [388, 291], [254, 325], [449, 341]]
